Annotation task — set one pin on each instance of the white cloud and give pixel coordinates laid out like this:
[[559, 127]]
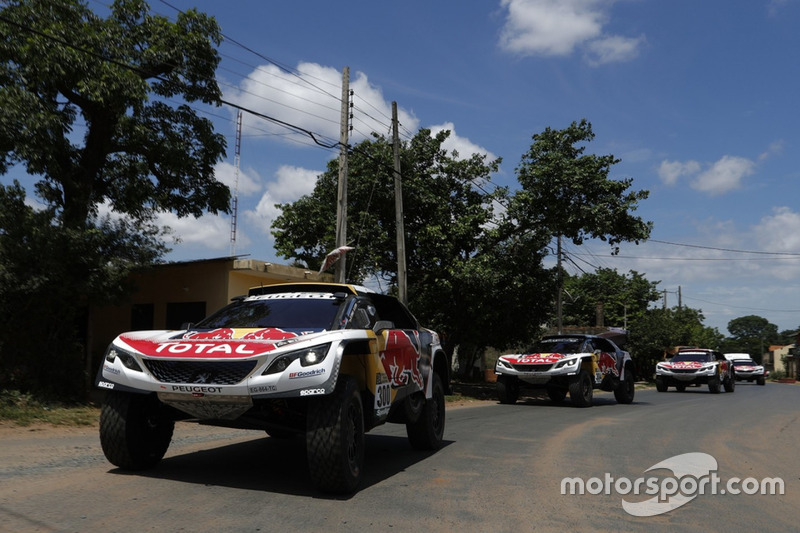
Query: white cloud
[[558, 27], [671, 171], [290, 185], [779, 232], [775, 148], [248, 182], [725, 175], [212, 232], [613, 49], [462, 145], [311, 99]]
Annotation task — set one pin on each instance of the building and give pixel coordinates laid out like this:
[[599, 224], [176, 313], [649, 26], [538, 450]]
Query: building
[[781, 360], [171, 294]]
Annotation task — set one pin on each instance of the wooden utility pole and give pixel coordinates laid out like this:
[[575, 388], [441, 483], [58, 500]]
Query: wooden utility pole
[[398, 210], [560, 283], [341, 202]]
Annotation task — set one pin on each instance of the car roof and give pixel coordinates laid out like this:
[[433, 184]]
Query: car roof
[[309, 286]]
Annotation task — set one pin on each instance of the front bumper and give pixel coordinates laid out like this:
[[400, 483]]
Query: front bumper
[[701, 375], [540, 374], [217, 388]]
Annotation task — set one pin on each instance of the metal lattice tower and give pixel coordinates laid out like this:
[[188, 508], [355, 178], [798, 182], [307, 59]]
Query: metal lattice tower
[[235, 206]]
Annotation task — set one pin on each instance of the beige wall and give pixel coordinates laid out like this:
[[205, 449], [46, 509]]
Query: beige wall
[[212, 281]]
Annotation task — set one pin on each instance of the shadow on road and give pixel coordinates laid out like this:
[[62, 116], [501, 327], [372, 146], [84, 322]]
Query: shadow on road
[[279, 465]]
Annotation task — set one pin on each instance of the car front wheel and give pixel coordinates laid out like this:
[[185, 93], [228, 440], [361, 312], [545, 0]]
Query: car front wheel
[[580, 389], [507, 389], [335, 438], [135, 430]]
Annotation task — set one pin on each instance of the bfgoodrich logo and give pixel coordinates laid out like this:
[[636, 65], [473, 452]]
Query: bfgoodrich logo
[[694, 474]]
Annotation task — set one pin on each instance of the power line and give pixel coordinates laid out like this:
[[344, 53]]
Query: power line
[[723, 249]]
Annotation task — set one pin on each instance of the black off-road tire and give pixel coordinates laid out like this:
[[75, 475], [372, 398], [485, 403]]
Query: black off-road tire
[[427, 432], [135, 429], [626, 388], [714, 385], [761, 381], [661, 385], [580, 389], [507, 389], [556, 394], [729, 384], [335, 438]]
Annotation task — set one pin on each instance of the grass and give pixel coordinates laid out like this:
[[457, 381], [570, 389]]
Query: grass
[[25, 410]]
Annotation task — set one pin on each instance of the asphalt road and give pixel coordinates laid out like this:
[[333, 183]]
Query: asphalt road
[[501, 469]]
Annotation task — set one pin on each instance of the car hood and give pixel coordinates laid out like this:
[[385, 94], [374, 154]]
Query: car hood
[[536, 358], [212, 343]]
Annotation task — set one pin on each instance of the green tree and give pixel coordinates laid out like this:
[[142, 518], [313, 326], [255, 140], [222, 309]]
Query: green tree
[[753, 334], [656, 332], [88, 110], [568, 193], [624, 298], [469, 276]]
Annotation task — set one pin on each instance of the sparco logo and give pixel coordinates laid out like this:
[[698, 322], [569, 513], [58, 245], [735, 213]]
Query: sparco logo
[[196, 388]]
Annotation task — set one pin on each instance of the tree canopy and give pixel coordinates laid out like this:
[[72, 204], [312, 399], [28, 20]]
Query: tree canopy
[[85, 107], [623, 297], [99, 111], [568, 193]]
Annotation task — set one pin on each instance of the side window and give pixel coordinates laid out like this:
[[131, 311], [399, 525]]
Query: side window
[[364, 316]]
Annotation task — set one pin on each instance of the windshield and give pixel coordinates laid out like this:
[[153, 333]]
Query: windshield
[[701, 357], [288, 314], [560, 345], [744, 362]]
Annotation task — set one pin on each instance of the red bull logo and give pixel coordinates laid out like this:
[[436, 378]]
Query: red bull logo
[[607, 364], [269, 334], [218, 334], [401, 358]]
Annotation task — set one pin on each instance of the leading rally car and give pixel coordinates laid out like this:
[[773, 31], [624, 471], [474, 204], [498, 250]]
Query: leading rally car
[[696, 366], [577, 364], [328, 361]]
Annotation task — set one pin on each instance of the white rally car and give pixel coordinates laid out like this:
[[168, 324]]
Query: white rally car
[[745, 369], [326, 361], [574, 364], [695, 366]]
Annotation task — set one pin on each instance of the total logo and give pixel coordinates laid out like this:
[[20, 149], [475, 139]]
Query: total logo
[[306, 374]]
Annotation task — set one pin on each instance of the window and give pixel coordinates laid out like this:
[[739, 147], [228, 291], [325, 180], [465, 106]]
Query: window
[[179, 313], [142, 317]]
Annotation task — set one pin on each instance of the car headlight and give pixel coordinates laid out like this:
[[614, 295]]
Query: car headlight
[[502, 363], [568, 362], [128, 361], [307, 357]]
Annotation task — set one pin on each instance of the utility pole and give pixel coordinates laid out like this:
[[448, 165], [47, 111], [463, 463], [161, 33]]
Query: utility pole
[[398, 209], [560, 287], [341, 201]]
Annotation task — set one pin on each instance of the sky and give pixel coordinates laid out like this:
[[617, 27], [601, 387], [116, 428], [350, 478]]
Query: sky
[[698, 100]]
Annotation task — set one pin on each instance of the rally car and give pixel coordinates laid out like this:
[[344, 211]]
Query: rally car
[[695, 366], [745, 369], [326, 361], [561, 364]]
